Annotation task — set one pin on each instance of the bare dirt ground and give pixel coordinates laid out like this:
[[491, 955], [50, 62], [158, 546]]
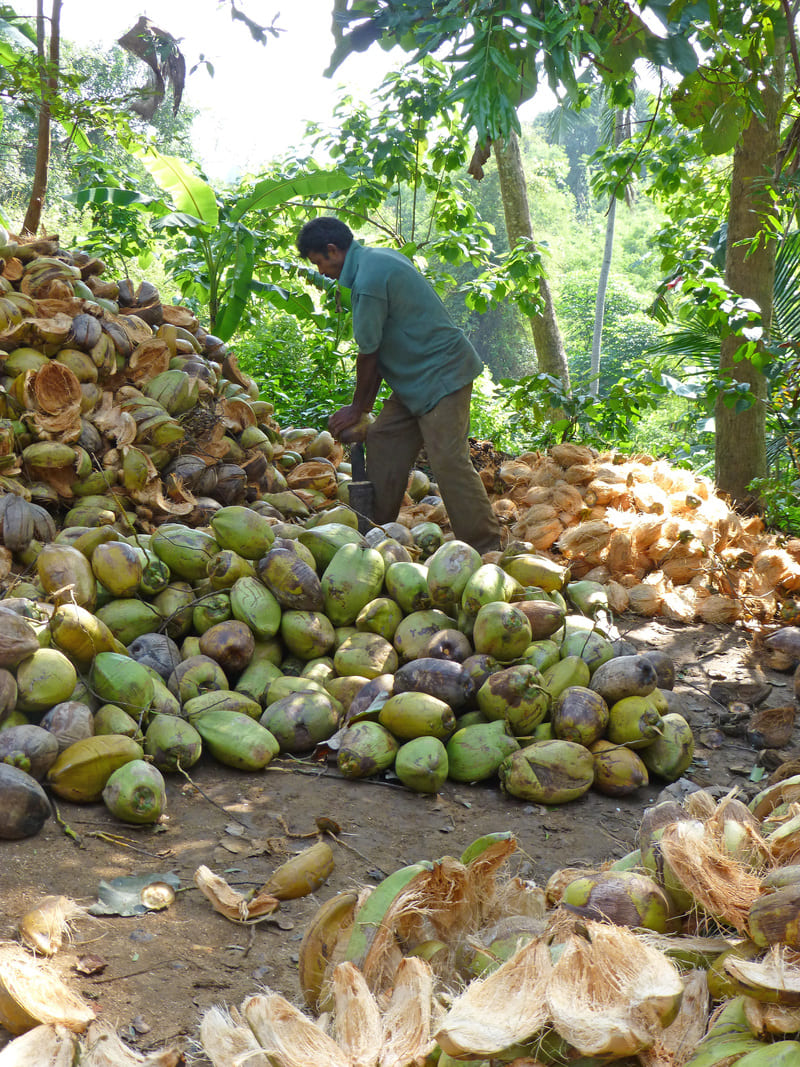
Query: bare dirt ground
[[165, 968]]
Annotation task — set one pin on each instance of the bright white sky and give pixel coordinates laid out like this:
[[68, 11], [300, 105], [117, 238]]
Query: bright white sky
[[256, 104]]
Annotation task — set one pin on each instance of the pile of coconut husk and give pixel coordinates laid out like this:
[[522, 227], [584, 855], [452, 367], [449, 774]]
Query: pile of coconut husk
[[666, 955]]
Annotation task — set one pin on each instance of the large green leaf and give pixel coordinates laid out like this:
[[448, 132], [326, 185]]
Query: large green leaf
[[109, 194], [272, 192], [240, 286], [189, 193]]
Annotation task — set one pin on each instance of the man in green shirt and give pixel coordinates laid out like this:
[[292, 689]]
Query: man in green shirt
[[406, 337]]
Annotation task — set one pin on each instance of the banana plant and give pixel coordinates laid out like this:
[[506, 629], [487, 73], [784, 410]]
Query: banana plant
[[217, 258]]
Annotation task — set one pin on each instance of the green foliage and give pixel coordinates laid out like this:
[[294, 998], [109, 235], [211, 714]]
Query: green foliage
[[534, 400]]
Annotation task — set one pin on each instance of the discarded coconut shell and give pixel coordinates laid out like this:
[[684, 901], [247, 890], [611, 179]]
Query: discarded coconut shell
[[772, 727]]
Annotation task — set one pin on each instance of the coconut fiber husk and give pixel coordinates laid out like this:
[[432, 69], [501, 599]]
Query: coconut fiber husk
[[720, 885], [31, 992], [611, 994], [501, 1010], [675, 1045]]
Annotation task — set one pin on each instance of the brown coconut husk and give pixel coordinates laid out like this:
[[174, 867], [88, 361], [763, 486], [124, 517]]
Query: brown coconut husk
[[589, 540], [501, 1010], [227, 1040], [718, 609], [718, 883], [569, 454], [359, 1030], [675, 1045], [617, 595], [645, 599], [407, 1022], [611, 994], [579, 474], [679, 604], [287, 1036], [32, 993]]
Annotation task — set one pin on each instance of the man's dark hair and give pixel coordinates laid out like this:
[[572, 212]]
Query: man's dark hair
[[318, 233]]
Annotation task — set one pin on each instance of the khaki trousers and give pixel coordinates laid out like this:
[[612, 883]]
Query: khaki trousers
[[393, 443]]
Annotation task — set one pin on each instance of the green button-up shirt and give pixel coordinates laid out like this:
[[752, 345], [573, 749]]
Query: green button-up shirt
[[422, 354]]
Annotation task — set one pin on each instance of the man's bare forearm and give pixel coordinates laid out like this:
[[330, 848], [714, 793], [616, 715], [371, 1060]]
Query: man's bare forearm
[[368, 381]]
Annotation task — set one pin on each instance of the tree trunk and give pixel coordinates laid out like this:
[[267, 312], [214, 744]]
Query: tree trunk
[[621, 120], [547, 340], [48, 81], [740, 438], [600, 304]]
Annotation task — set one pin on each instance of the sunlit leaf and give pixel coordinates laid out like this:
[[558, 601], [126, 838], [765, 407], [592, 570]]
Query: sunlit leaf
[[190, 193], [272, 192]]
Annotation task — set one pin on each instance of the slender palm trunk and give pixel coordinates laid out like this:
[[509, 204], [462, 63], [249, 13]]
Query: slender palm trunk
[[547, 340], [48, 82]]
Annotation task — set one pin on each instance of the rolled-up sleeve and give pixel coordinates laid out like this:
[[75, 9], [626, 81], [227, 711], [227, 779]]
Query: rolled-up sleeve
[[369, 319]]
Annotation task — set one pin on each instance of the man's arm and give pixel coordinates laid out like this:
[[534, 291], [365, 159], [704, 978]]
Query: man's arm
[[368, 382]]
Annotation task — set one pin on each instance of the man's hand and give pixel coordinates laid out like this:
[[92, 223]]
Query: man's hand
[[344, 418]]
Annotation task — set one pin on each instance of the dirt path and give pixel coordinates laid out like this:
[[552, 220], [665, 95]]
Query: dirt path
[[164, 968]]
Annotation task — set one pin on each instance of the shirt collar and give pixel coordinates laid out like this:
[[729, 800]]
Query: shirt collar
[[350, 264]]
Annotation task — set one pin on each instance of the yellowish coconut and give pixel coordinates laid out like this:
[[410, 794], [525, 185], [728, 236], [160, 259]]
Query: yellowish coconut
[[503, 1009], [610, 994]]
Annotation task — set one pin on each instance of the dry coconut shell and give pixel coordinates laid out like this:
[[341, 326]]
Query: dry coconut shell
[[31, 993], [228, 1040], [43, 1046], [610, 994], [772, 727], [501, 1010], [53, 388], [721, 610]]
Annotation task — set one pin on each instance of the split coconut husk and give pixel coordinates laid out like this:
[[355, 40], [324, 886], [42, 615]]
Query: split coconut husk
[[446, 901], [31, 993], [610, 994], [504, 1009], [287, 1036], [765, 1019], [719, 884], [676, 1044], [359, 1030], [407, 1022], [103, 1048], [43, 1046], [232, 904], [228, 1041], [776, 977], [44, 928]]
